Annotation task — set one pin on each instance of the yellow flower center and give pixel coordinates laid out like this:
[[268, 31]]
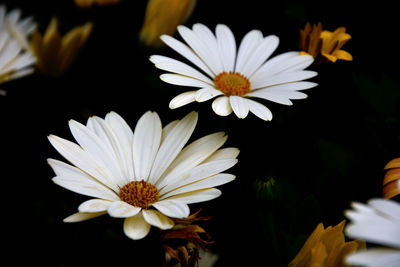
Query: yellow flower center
[[139, 194], [232, 83]]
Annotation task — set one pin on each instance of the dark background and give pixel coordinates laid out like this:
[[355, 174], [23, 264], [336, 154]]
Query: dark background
[[323, 152]]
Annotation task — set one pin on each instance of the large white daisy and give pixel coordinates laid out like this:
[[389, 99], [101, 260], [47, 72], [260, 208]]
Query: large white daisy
[[377, 222], [145, 176], [16, 59], [234, 75]]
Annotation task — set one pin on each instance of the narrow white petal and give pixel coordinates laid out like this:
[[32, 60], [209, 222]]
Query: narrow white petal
[[172, 145], [121, 209], [94, 205], [386, 206], [172, 65], [83, 160], [263, 51], [173, 209], [207, 93], [227, 46], [197, 196], [248, 44], [73, 179], [181, 80], [375, 257], [186, 52], [286, 93], [239, 106], [259, 110], [280, 78], [201, 50], [224, 153], [208, 182], [265, 94], [182, 99], [294, 86], [222, 106], [192, 155], [157, 219], [136, 227], [167, 129], [146, 141], [82, 216]]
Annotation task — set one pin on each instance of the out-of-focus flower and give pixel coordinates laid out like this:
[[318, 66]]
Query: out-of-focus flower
[[391, 180], [55, 53], [325, 247], [234, 76], [324, 44], [186, 242], [377, 222], [162, 17], [16, 59], [89, 3], [145, 176]]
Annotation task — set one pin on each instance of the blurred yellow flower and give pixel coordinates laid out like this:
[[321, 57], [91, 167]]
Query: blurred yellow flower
[[163, 17], [391, 180], [325, 247], [89, 3], [54, 52], [315, 42]]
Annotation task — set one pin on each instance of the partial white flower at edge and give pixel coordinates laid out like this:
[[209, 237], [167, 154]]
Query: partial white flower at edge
[[234, 75], [377, 222], [16, 58], [147, 176]]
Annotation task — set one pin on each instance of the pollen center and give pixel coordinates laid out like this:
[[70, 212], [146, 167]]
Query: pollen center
[[139, 194], [232, 83]]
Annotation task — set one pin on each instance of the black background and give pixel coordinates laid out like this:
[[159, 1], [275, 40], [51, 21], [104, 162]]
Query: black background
[[323, 152]]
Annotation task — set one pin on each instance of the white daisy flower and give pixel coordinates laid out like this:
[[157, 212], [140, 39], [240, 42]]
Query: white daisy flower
[[16, 59], [377, 222], [234, 75], [145, 176]]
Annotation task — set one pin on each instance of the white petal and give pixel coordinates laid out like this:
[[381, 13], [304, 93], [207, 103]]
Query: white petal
[[263, 51], [222, 106], [181, 80], [386, 206], [146, 141], [227, 46], [182, 99], [83, 160], [94, 205], [375, 257], [79, 182], [82, 216], [192, 155], [187, 52], [167, 129], [172, 208], [280, 78], [172, 65], [248, 44], [224, 153], [205, 183], [207, 93], [197, 196], [294, 86], [136, 227], [121, 209], [172, 145], [271, 96], [157, 219], [239, 106], [198, 46], [259, 110]]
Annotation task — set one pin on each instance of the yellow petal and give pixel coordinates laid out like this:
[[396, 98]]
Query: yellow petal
[[343, 55], [391, 175], [394, 163], [318, 255], [391, 189]]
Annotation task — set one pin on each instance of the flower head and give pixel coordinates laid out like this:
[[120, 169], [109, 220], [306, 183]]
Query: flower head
[[162, 17], [377, 222], [325, 44], [16, 60], [89, 3], [234, 76], [325, 247], [145, 176], [391, 180], [56, 53]]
